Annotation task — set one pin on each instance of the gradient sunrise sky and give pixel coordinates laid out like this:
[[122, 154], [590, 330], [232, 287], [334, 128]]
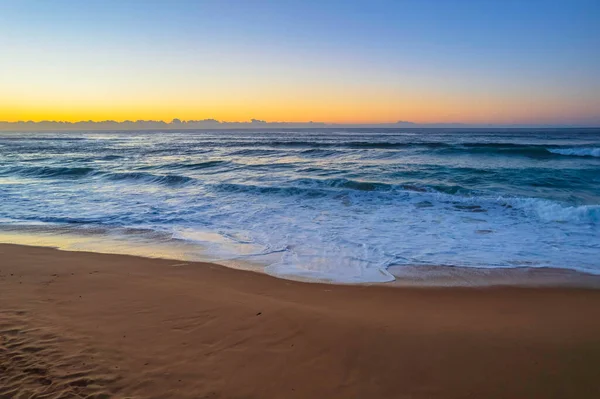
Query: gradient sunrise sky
[[425, 61]]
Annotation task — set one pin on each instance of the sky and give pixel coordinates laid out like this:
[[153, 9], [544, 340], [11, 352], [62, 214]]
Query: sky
[[444, 61]]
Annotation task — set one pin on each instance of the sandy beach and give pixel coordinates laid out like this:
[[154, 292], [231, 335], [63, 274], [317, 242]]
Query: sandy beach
[[76, 324]]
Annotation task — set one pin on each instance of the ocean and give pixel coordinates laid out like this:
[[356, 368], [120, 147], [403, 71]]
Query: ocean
[[339, 205]]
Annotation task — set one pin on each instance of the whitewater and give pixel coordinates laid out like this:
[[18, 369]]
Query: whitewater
[[319, 204]]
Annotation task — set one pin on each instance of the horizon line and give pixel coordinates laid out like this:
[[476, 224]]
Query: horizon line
[[178, 124]]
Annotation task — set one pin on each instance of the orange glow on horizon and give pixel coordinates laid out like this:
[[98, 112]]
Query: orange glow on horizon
[[350, 110]]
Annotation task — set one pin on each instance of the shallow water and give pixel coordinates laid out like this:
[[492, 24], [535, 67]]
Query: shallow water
[[339, 205]]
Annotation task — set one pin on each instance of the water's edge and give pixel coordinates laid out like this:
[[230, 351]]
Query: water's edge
[[405, 276]]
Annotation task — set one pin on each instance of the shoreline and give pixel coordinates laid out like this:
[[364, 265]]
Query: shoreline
[[98, 325], [404, 275]]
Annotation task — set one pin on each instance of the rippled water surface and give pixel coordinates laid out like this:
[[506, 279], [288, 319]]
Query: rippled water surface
[[340, 205]]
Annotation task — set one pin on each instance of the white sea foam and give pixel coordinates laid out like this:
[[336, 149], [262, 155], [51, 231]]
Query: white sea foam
[[345, 241], [553, 212], [580, 151]]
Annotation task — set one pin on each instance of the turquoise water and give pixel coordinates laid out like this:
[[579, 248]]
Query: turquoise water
[[340, 205]]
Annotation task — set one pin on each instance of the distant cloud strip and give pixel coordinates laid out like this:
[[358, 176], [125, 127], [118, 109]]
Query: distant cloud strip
[[177, 124]]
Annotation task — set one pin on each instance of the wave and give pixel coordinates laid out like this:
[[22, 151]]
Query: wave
[[324, 187], [110, 157], [578, 151], [253, 152], [48, 171], [326, 148], [543, 209], [321, 152], [266, 190], [168, 180], [331, 144], [551, 211], [533, 151], [27, 138], [344, 184], [202, 165], [190, 166], [70, 220]]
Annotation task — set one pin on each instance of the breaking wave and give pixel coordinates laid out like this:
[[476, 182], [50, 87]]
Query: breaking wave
[[52, 172], [579, 152]]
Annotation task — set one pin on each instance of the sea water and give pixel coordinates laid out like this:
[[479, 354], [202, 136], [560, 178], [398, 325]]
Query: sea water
[[327, 204]]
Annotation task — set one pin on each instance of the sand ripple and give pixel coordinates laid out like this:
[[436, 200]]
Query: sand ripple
[[32, 364]]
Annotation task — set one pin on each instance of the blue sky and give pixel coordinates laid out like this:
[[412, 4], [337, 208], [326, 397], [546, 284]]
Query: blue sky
[[338, 61]]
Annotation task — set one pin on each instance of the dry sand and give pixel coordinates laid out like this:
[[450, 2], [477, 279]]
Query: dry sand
[[76, 324]]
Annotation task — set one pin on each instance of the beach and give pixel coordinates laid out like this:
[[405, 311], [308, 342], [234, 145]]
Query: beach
[[300, 200], [79, 324]]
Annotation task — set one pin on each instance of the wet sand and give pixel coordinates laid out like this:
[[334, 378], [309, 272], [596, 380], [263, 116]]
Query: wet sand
[[76, 324]]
